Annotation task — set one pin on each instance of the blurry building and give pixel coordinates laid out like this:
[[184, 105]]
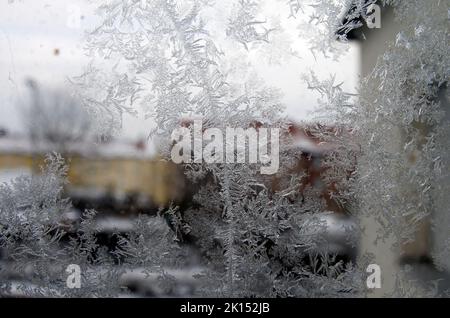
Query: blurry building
[[114, 176]]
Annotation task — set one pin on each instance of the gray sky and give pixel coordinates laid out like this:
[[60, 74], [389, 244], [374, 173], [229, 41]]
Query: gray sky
[[30, 31]]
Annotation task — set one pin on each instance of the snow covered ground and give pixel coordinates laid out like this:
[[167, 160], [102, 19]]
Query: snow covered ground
[[6, 175], [140, 282]]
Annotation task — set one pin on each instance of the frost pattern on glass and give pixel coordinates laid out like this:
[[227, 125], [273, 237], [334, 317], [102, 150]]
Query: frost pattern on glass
[[390, 160]]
